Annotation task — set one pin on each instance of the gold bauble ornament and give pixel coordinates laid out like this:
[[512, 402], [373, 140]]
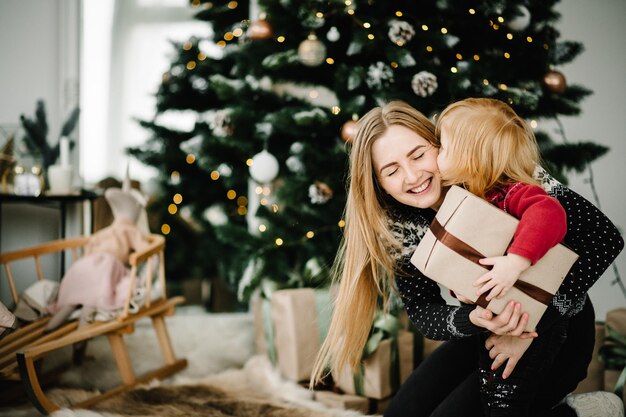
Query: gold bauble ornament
[[260, 30], [555, 81], [348, 130], [311, 51]]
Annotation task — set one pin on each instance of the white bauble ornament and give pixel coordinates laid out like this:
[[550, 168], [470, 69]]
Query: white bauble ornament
[[521, 21], [333, 34], [264, 167], [311, 51]]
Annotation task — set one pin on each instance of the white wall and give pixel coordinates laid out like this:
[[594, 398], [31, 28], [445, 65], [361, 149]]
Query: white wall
[[35, 65], [599, 25], [37, 62]]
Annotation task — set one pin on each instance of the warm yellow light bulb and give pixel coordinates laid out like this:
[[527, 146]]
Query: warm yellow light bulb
[[215, 175], [262, 228], [172, 208], [190, 159], [191, 65], [330, 61], [341, 223], [280, 39], [279, 242], [310, 234], [231, 194], [165, 229], [178, 198]]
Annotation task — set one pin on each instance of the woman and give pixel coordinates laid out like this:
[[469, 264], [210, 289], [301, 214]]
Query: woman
[[395, 188]]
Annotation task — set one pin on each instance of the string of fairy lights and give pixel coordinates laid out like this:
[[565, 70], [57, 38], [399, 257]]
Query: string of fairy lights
[[262, 30]]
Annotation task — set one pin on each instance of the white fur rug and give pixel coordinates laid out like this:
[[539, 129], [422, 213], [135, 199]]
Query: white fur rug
[[220, 351]]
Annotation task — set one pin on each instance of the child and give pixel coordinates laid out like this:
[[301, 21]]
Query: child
[[487, 148]]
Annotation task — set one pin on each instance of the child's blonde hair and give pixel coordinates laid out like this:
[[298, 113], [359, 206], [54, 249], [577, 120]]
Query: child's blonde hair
[[488, 145], [364, 266]]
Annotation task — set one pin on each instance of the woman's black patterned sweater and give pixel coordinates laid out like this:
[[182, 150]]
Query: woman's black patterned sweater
[[589, 233]]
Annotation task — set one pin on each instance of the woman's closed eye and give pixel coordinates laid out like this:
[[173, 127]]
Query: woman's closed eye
[[390, 172]]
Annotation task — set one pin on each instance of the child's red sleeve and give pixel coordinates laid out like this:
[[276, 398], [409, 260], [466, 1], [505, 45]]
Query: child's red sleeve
[[543, 222]]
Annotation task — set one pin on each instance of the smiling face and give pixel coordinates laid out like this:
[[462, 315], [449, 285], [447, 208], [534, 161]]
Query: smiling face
[[405, 165]]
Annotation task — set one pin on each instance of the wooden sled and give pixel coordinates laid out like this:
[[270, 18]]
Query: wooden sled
[[22, 350]]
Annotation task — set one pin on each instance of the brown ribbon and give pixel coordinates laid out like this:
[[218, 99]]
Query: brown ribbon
[[471, 254]]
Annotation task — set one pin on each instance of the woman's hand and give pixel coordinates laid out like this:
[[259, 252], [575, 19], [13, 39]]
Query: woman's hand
[[509, 349], [510, 321]]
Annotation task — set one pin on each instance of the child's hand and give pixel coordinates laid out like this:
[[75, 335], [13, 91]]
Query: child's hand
[[506, 270]]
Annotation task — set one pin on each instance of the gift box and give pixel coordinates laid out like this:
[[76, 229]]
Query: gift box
[[343, 401], [290, 327], [614, 359], [377, 369], [467, 228]]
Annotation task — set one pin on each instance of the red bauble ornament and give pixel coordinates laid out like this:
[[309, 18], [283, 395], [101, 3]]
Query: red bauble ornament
[[348, 130], [555, 81], [260, 30]]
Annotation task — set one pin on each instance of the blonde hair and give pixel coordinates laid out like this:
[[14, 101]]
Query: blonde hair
[[488, 145], [364, 266]]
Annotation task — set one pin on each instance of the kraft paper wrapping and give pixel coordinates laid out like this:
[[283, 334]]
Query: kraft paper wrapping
[[297, 332], [488, 230], [377, 369]]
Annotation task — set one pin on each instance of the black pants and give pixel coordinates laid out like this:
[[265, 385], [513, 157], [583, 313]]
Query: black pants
[[515, 396], [446, 384]]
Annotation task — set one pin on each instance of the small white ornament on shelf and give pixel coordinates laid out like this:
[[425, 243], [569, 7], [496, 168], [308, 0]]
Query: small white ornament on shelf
[[60, 176], [264, 167]]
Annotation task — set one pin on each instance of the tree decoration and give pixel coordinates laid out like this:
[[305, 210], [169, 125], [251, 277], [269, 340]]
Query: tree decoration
[[555, 81], [311, 51], [424, 84], [294, 164], [260, 30], [221, 123], [264, 167], [272, 97], [348, 130], [400, 32], [333, 34], [379, 75], [296, 147], [521, 21], [320, 192]]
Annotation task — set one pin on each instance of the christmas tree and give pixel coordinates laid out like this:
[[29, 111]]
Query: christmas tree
[[256, 189]]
